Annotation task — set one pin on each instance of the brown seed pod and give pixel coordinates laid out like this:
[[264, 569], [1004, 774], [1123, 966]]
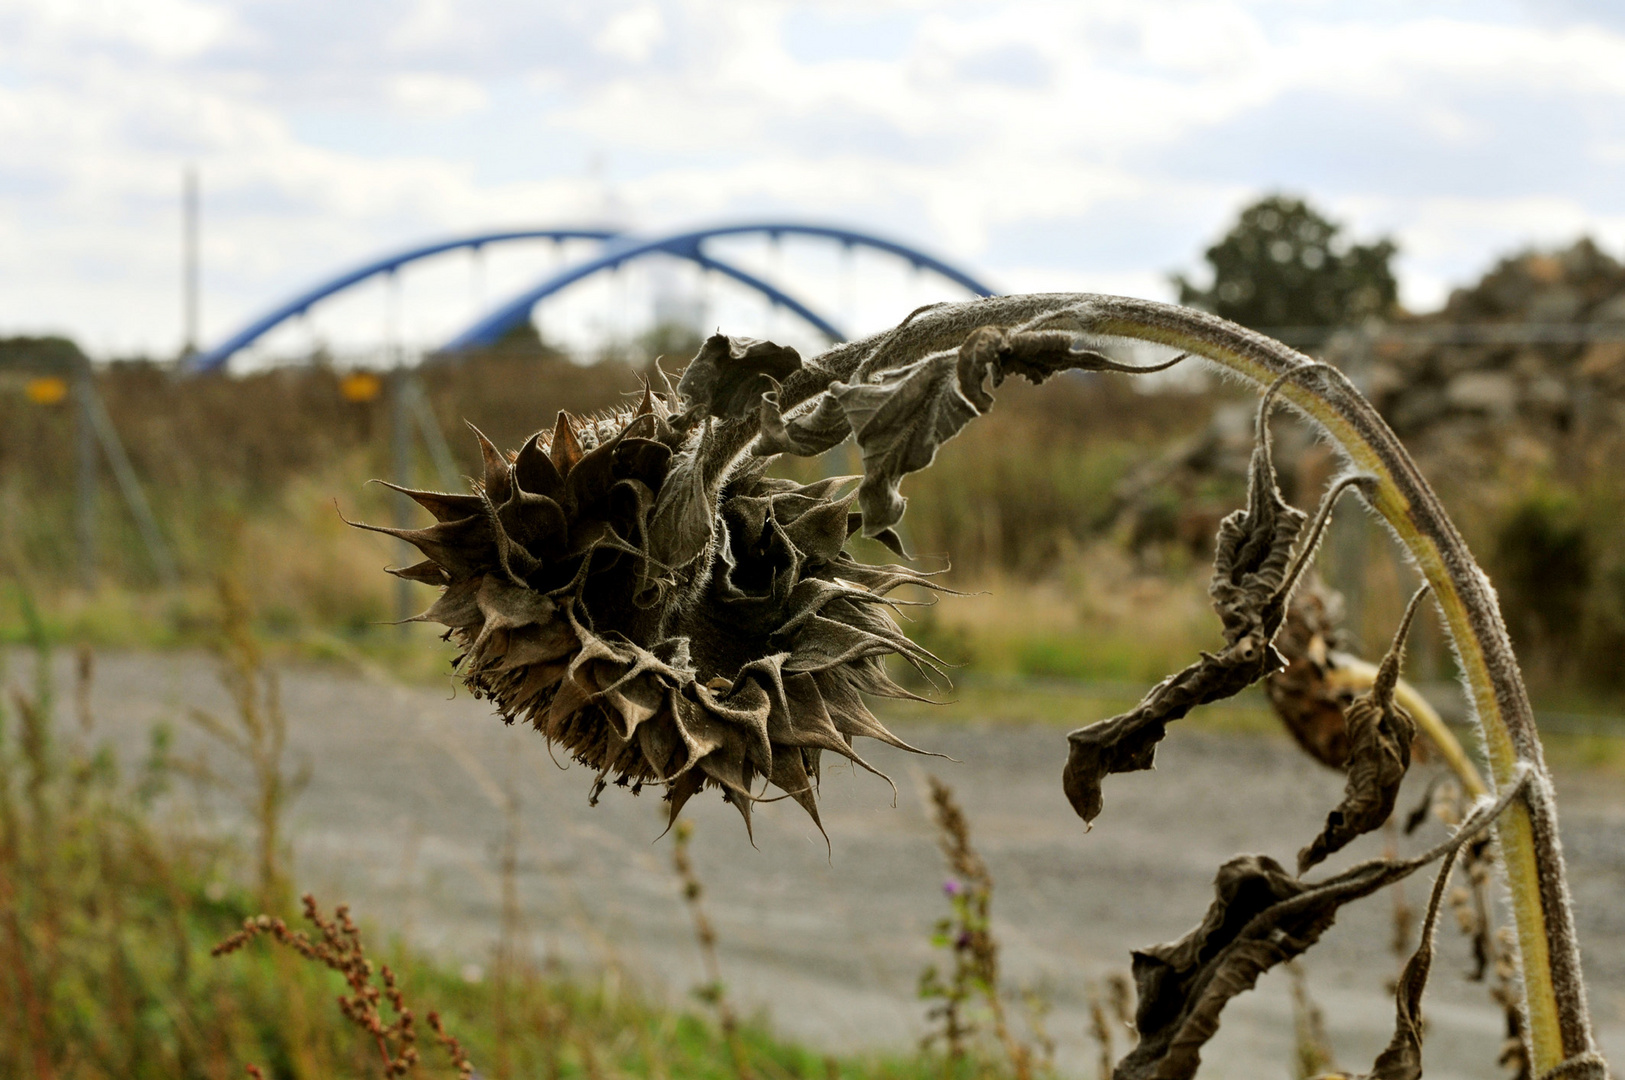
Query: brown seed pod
[[665, 615], [1305, 700]]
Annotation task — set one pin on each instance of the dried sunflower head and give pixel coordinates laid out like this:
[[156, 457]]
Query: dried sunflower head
[[649, 599]]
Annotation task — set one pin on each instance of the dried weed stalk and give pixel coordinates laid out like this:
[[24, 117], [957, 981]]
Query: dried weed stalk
[[637, 588], [257, 735], [1312, 1050], [1111, 1010], [1100, 1029], [1494, 951], [967, 932], [339, 948], [96, 971], [713, 991]]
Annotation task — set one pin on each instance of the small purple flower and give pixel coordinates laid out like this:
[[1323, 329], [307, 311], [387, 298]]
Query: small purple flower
[[963, 940], [952, 887]]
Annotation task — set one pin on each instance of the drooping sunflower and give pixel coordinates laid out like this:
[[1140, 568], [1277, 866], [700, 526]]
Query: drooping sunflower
[[652, 601]]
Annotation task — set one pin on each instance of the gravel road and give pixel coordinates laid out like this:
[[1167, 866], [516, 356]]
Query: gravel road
[[404, 820]]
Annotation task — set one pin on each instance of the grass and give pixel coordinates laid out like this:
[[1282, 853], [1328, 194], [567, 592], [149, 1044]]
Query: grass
[[112, 897]]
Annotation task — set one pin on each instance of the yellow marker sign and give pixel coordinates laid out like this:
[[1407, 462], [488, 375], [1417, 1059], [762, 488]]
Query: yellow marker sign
[[360, 386], [47, 390]]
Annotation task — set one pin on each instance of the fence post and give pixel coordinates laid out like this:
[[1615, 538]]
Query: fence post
[[85, 485], [129, 485], [400, 452]]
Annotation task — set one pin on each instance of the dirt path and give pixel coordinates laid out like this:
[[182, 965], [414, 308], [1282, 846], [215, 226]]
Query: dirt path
[[404, 820]]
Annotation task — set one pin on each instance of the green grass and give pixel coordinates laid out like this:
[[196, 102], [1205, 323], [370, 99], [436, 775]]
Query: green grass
[[534, 1023]]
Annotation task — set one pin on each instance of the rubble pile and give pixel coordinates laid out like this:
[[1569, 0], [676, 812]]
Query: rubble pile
[[1540, 340], [1528, 360]]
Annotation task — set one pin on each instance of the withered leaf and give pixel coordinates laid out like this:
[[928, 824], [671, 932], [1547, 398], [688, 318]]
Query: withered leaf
[[1380, 734], [1128, 742], [1261, 916], [1253, 553], [902, 415], [728, 376], [900, 421], [1250, 573], [806, 434]]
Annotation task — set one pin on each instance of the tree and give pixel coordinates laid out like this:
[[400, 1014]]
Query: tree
[[1283, 265]]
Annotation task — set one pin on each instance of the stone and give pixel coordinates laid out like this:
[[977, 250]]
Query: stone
[[1492, 392], [1611, 310], [1558, 304], [1547, 392]]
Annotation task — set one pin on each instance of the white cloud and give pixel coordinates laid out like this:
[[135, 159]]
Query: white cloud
[[632, 35], [1040, 143], [431, 94], [168, 29]]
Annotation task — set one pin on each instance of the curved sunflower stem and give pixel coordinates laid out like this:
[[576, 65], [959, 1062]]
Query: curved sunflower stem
[[1555, 1003], [1558, 1020]]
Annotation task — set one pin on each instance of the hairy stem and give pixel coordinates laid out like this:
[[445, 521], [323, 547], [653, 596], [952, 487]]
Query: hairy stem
[[1559, 1024]]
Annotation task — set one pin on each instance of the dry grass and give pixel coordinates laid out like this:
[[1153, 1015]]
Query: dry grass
[[112, 895]]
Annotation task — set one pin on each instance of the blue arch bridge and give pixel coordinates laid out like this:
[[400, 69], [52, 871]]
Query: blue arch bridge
[[615, 249], [411, 418]]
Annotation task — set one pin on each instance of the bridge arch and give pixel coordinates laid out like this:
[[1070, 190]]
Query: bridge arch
[[217, 357], [489, 328], [618, 249]]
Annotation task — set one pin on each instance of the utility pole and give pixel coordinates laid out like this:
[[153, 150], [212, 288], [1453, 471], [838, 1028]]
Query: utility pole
[[189, 260]]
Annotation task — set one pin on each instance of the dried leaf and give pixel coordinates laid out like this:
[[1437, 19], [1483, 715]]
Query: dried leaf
[[1261, 916], [681, 526], [902, 418], [729, 375], [902, 415], [1380, 735], [1250, 576], [808, 433]]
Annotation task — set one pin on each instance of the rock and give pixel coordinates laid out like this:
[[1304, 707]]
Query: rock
[[1419, 407], [1492, 392], [1610, 311], [1451, 360], [1530, 363], [1547, 393], [1558, 304], [1382, 381], [1603, 360]]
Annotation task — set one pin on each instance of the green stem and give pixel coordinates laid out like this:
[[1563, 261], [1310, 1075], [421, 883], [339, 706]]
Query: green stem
[[1559, 1024]]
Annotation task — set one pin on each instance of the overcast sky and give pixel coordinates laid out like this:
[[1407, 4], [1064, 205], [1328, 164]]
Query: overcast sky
[[1091, 145]]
